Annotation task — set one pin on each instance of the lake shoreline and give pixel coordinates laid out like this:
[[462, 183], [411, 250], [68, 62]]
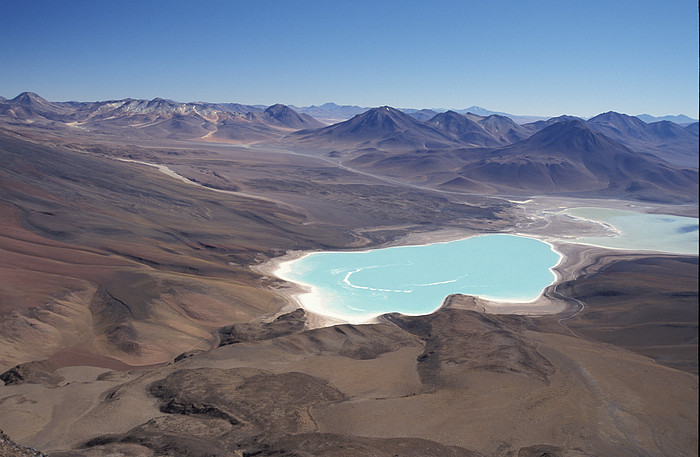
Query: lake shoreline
[[576, 258], [573, 259]]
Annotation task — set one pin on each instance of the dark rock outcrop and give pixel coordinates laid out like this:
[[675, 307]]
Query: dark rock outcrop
[[174, 436], [331, 445], [285, 324], [254, 401], [472, 341], [39, 372], [9, 448]]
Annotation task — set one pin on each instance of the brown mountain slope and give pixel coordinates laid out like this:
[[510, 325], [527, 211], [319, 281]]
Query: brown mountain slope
[[111, 259]]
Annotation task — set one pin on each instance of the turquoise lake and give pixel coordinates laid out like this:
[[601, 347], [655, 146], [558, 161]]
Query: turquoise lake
[[357, 286], [640, 231]]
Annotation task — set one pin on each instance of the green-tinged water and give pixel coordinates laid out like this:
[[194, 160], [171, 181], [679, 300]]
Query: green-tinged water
[[640, 231], [357, 286]]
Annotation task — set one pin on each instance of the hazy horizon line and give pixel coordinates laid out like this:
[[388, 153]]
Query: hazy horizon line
[[438, 109]]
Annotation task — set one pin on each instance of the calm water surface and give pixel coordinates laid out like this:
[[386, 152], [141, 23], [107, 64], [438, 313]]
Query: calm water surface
[[357, 286], [641, 231]]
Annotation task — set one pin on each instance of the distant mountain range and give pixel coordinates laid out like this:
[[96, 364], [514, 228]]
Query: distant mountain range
[[493, 154], [389, 128], [157, 118], [382, 128], [332, 113], [611, 154], [678, 119], [664, 139]]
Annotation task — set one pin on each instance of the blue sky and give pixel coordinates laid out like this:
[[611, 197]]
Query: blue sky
[[523, 57]]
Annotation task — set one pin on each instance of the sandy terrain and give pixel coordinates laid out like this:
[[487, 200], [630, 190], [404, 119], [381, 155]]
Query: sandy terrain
[[484, 383]]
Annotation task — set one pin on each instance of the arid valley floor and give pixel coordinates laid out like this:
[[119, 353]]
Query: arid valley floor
[[139, 315]]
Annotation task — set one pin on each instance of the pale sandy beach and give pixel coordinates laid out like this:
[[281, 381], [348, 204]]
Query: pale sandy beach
[[291, 290]]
